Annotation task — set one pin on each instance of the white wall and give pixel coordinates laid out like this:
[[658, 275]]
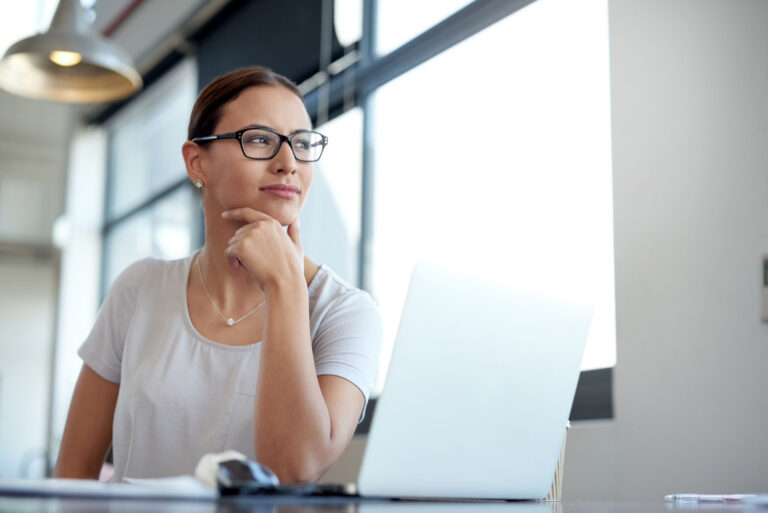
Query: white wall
[[33, 149], [27, 291], [690, 143]]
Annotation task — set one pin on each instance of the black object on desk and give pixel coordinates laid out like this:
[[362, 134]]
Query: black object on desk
[[246, 477]]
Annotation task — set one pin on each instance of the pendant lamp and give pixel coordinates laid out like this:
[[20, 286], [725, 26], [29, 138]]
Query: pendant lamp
[[69, 63]]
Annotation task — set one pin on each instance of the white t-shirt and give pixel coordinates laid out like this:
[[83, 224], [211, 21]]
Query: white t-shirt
[[183, 395]]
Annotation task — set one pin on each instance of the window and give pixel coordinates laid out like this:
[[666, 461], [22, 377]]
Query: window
[[495, 151], [399, 21], [348, 21], [150, 208], [496, 155], [24, 19], [165, 229], [146, 139], [330, 221]]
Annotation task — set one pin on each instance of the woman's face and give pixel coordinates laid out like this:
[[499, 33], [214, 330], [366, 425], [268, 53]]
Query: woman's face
[[235, 181]]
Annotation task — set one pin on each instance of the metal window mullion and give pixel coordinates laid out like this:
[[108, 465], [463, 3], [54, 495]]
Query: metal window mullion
[[147, 203], [105, 227], [367, 50], [461, 25], [372, 72]]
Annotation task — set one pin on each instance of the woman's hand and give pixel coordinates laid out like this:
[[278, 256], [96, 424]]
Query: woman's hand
[[271, 256]]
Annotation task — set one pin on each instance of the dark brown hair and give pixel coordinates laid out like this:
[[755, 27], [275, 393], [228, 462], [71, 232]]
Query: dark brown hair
[[225, 88]]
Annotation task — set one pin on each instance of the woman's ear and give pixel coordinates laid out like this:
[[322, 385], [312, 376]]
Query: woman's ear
[[193, 160]]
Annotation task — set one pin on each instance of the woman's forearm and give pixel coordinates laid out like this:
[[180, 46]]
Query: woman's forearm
[[88, 431], [292, 422]]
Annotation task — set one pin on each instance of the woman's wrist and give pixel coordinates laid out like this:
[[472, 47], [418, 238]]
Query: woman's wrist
[[290, 285]]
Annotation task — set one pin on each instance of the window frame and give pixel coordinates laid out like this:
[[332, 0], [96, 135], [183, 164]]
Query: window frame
[[107, 120], [593, 398]]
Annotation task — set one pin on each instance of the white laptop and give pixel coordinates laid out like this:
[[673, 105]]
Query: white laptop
[[478, 392]]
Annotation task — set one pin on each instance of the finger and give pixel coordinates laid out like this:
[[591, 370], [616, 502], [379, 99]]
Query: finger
[[233, 252], [236, 237], [242, 238], [246, 214], [295, 236], [245, 229], [293, 233], [234, 263], [237, 259]]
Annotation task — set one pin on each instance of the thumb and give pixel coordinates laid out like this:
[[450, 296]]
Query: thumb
[[293, 233]]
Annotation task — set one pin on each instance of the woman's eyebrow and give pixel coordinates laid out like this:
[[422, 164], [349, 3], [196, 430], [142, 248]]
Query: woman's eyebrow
[[274, 130]]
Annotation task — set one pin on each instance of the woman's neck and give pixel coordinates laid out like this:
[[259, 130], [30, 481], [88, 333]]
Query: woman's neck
[[229, 284]]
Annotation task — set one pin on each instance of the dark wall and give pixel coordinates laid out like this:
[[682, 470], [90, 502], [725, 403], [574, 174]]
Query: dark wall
[[281, 34]]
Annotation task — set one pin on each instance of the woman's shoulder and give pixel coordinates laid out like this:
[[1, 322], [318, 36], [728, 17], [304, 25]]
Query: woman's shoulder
[[150, 270], [328, 287], [342, 316]]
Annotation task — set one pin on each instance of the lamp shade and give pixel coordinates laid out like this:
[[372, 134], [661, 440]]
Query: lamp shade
[[69, 63]]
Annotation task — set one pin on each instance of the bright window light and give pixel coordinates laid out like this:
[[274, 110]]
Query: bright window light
[[495, 156], [399, 21]]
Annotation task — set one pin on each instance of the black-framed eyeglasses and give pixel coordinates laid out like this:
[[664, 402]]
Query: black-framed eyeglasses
[[264, 143]]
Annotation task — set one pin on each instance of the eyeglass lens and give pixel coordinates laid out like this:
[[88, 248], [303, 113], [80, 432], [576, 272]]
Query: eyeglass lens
[[262, 144]]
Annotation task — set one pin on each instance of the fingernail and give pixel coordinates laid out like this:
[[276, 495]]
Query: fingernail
[[224, 214]]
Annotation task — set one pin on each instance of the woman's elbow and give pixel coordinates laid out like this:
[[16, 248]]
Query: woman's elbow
[[301, 469], [301, 473]]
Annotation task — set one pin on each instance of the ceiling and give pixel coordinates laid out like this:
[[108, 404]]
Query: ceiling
[[148, 25], [34, 134]]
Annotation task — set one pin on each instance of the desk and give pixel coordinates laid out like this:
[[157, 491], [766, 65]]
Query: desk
[[333, 505]]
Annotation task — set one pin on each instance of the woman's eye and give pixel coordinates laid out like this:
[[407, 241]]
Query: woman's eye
[[258, 138]]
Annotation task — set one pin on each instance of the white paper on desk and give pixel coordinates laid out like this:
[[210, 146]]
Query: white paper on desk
[[757, 500], [182, 487]]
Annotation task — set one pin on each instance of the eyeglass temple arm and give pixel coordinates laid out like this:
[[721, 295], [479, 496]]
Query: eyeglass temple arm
[[323, 142], [231, 135]]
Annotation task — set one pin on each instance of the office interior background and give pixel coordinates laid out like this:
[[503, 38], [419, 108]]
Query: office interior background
[[613, 150]]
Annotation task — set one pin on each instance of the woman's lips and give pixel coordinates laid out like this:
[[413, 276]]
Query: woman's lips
[[281, 191]]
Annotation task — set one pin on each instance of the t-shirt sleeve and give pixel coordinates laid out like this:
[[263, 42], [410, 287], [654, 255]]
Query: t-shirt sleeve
[[348, 341], [102, 350]]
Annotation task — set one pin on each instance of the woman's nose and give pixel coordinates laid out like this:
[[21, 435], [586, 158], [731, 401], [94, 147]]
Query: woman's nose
[[284, 161]]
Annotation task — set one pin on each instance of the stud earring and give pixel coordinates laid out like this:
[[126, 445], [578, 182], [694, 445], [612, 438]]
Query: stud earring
[[198, 183]]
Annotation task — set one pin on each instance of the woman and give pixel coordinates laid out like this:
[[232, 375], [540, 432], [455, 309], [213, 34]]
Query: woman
[[247, 344]]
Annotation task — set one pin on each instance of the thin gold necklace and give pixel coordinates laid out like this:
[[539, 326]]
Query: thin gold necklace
[[229, 320]]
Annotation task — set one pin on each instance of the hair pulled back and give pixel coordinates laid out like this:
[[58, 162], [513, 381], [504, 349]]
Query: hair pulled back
[[207, 110]]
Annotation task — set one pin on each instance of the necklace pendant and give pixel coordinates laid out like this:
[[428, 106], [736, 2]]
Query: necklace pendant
[[230, 322]]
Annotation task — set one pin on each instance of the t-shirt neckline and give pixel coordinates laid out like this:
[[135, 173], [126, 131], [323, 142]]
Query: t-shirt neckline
[[199, 336]]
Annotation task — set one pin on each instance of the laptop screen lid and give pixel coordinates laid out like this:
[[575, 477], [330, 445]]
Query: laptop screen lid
[[478, 393]]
